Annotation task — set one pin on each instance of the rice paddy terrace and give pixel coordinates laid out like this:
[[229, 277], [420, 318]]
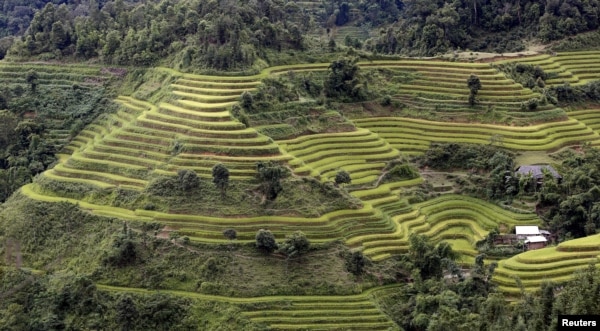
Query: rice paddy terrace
[[53, 78], [193, 129], [352, 312]]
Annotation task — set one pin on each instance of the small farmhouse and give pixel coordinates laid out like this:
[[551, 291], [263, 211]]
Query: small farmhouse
[[523, 232], [536, 242], [537, 172]]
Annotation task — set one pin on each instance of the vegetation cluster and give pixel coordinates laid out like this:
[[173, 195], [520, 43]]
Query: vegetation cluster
[[37, 120], [245, 35]]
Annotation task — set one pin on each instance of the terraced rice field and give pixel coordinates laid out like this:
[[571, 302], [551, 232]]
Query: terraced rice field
[[53, 77], [351, 312], [361, 153], [590, 117], [353, 32], [575, 68], [450, 218], [413, 136], [194, 130], [555, 264]]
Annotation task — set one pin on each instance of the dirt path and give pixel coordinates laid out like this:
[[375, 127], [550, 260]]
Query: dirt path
[[534, 49]]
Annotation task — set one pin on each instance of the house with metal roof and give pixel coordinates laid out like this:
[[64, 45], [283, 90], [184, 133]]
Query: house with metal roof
[[537, 172], [536, 242], [524, 231]]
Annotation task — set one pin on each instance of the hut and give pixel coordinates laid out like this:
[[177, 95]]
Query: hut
[[535, 242], [525, 231], [537, 172]]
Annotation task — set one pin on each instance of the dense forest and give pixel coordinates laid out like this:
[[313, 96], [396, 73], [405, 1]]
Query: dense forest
[[242, 35]]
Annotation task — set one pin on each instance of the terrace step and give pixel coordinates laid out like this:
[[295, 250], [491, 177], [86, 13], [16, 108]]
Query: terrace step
[[61, 170], [218, 85], [206, 98], [211, 91]]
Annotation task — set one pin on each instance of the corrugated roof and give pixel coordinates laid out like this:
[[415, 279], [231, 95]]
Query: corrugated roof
[[536, 239], [527, 230], [536, 171]]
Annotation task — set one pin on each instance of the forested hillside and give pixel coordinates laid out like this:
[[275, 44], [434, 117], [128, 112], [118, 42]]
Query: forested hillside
[[298, 165], [239, 35]]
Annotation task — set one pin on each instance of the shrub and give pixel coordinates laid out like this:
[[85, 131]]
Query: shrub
[[386, 100], [342, 177], [269, 174], [401, 172], [220, 175], [265, 241], [356, 262], [188, 179], [230, 234], [532, 104], [295, 244], [163, 186]]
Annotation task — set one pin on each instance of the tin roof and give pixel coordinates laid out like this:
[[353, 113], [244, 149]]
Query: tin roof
[[527, 230], [536, 171], [536, 239]]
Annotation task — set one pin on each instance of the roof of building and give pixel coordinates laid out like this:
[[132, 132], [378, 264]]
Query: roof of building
[[536, 239], [546, 232], [536, 171], [527, 230]]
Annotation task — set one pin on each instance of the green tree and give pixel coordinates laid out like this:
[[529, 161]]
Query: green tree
[[331, 44], [269, 175], [127, 313], [342, 177], [247, 101], [230, 234], [58, 36], [188, 179], [344, 81], [356, 262], [474, 85], [112, 43], [430, 260], [8, 124], [295, 244], [265, 241], [32, 79], [220, 175]]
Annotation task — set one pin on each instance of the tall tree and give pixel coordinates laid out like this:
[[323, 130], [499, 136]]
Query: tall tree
[[220, 175], [474, 85], [32, 79]]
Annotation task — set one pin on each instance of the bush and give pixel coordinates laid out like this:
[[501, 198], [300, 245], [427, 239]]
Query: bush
[[295, 244], [342, 177], [386, 100], [163, 186], [401, 172], [532, 104], [230, 234], [265, 241], [356, 262], [188, 179]]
